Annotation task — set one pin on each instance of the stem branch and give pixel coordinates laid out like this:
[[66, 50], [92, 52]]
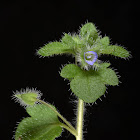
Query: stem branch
[[70, 127]]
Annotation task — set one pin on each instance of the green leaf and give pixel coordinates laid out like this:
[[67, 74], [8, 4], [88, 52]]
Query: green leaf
[[87, 87], [108, 76], [77, 39], [89, 33], [88, 29], [105, 41], [67, 39], [55, 48], [70, 71], [42, 125], [116, 51], [104, 65]]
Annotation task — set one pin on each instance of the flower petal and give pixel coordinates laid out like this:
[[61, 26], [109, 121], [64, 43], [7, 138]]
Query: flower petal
[[90, 57]]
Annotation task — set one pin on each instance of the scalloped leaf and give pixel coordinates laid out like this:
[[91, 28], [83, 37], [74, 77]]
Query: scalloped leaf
[[70, 71], [87, 87], [42, 125], [108, 76], [116, 51], [55, 48]]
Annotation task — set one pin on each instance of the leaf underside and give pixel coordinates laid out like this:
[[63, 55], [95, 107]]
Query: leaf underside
[[42, 125]]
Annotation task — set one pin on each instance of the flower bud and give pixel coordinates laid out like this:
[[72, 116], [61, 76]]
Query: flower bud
[[27, 97]]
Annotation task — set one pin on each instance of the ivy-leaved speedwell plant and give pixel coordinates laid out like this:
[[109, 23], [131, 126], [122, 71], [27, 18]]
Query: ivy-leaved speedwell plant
[[88, 79]]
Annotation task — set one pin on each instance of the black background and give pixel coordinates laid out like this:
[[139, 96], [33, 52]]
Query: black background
[[27, 26]]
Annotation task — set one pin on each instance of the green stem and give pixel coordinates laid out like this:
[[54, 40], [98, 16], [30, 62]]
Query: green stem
[[80, 116], [70, 130], [69, 127]]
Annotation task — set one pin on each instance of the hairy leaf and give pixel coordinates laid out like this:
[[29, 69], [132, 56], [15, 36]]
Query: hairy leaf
[[42, 125], [108, 76], [55, 48], [116, 51], [70, 71], [89, 32], [104, 65], [87, 87], [105, 41], [67, 39]]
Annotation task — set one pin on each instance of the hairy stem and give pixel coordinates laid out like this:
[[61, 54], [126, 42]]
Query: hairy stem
[[80, 116], [70, 127]]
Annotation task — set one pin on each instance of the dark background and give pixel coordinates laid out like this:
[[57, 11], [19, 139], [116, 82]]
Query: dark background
[[27, 26]]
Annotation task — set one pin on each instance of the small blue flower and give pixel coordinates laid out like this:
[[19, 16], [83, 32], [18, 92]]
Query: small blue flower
[[90, 57]]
